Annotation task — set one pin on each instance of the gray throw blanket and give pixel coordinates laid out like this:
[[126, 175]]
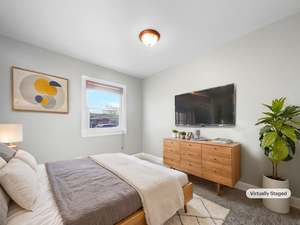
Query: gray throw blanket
[[86, 193]]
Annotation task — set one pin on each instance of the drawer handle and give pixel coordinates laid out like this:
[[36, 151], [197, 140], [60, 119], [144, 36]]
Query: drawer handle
[[190, 165], [190, 154], [171, 159], [171, 142], [215, 159], [215, 171], [215, 149], [190, 145], [171, 150]]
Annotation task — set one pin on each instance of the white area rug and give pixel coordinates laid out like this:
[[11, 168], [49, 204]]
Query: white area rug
[[200, 211]]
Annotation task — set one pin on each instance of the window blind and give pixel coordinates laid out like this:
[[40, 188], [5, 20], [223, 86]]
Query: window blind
[[90, 85]]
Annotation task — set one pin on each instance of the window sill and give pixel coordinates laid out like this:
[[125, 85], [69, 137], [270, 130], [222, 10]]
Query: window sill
[[97, 134]]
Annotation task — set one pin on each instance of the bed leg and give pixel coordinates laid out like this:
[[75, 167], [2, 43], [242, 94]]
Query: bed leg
[[185, 209], [219, 189]]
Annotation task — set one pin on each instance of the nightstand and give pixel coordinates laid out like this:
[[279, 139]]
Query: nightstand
[[13, 147]]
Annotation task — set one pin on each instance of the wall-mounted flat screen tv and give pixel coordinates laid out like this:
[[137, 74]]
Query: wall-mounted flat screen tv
[[210, 107]]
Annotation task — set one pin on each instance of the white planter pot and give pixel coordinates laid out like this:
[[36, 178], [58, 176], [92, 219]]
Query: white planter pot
[[174, 135], [276, 205]]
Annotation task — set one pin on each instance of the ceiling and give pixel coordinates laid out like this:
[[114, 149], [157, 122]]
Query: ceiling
[[106, 32]]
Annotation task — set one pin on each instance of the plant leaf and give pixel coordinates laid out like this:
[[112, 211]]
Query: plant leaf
[[266, 151], [279, 150], [289, 132], [277, 123], [271, 114], [270, 107], [266, 120], [295, 122], [297, 134], [264, 129], [290, 111], [269, 139], [277, 105], [291, 143], [288, 158]]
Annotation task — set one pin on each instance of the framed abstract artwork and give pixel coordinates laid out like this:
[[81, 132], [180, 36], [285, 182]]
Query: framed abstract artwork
[[39, 92]]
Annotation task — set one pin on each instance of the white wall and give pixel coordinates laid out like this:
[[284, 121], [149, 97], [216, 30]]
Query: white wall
[[264, 65], [54, 136]]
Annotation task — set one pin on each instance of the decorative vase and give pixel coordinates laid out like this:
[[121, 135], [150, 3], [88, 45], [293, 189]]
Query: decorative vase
[[174, 135], [182, 136], [276, 205]]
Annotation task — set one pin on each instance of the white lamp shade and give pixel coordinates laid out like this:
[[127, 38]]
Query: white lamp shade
[[149, 39], [11, 133]]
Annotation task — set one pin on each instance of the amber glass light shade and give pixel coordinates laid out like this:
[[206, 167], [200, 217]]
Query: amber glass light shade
[[149, 37]]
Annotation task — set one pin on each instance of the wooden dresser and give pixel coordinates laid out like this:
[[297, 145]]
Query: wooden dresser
[[220, 163]]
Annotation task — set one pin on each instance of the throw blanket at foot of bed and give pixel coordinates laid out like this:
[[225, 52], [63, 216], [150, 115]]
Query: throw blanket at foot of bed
[[161, 193], [86, 193]]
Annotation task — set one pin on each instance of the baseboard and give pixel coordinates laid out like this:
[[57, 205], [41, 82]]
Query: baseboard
[[294, 201]]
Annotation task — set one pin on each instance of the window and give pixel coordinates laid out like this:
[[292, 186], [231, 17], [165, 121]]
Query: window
[[103, 107]]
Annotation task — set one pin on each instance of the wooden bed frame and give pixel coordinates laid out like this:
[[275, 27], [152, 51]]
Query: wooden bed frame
[[138, 218]]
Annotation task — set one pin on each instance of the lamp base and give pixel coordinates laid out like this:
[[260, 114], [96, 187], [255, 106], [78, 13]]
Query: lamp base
[[11, 146]]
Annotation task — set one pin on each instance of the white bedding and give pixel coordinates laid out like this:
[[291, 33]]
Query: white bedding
[[160, 192], [47, 211]]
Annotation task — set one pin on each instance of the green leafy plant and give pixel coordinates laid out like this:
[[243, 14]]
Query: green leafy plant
[[278, 136], [175, 131], [183, 133]]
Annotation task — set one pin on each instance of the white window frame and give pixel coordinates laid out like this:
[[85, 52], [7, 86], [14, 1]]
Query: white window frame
[[92, 132]]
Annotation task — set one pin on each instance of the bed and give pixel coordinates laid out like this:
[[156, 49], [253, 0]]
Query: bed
[[46, 210]]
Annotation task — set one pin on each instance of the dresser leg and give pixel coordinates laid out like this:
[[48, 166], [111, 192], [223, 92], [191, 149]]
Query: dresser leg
[[219, 188], [185, 209]]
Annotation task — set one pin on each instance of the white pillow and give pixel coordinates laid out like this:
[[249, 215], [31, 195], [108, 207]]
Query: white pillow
[[27, 158], [2, 163], [20, 182]]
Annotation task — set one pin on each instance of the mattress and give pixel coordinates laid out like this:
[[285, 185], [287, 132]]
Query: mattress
[[47, 212]]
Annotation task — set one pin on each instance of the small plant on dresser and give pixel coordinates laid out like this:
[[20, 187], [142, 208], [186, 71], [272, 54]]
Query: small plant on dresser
[[174, 133], [183, 135]]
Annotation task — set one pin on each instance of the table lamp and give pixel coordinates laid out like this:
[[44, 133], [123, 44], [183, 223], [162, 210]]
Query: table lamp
[[10, 133]]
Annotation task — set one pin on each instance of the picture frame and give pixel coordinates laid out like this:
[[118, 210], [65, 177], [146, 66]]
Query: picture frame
[[39, 92]]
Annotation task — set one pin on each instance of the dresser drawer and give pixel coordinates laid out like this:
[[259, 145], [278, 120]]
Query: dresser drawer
[[216, 150], [191, 168], [191, 156], [217, 179], [171, 144], [172, 162], [190, 146], [217, 169], [175, 153], [216, 159]]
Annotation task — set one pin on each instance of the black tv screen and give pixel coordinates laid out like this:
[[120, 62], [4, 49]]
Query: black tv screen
[[210, 107]]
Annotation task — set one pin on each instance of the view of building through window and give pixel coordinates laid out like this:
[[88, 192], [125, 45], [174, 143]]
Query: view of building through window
[[103, 108]]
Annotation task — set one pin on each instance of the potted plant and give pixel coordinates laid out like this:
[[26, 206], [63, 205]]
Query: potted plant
[[277, 139], [174, 133], [183, 135]]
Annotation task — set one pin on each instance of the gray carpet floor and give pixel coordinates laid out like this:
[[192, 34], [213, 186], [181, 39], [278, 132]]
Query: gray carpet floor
[[242, 209]]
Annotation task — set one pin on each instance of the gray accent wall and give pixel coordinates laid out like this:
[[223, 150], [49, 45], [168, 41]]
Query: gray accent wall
[[55, 136], [264, 65]]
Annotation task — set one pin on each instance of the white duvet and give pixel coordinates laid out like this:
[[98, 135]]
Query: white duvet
[[47, 213], [160, 192]]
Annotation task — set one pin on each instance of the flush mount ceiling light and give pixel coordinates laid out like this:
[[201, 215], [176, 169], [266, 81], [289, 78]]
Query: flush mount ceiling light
[[149, 37]]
